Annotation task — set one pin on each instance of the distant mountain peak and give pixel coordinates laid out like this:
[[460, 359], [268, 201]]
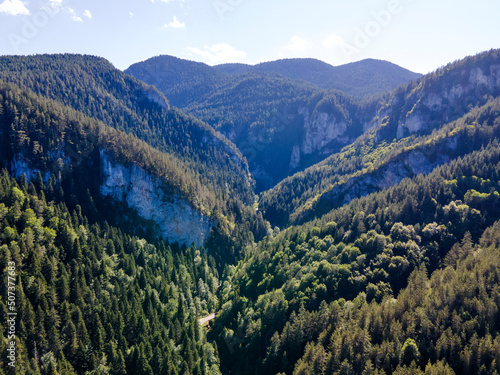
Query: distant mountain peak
[[361, 78]]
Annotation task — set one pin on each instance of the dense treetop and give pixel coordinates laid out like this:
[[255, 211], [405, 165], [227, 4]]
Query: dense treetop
[[382, 257], [94, 87], [363, 78]]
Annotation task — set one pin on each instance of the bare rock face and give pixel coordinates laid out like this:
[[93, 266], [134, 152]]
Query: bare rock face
[[408, 165], [320, 129], [176, 218], [444, 103], [19, 167], [392, 173]]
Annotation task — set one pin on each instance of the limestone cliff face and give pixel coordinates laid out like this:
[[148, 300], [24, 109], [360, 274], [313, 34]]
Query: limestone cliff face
[[320, 130], [295, 158], [176, 218], [444, 102], [157, 97], [19, 167], [408, 165], [392, 173]]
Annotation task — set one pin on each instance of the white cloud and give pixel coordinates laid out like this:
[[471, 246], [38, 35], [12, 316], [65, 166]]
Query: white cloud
[[175, 24], [56, 4], [131, 14], [74, 16], [14, 8], [298, 44], [333, 40], [218, 53]]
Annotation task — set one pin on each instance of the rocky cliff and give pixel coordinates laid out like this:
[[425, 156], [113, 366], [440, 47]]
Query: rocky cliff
[[439, 98], [321, 128], [175, 217], [406, 165]]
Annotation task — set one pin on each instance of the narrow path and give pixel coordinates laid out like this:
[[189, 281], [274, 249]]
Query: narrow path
[[206, 319]]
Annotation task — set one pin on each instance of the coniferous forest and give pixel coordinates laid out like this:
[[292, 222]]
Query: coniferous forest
[[328, 233]]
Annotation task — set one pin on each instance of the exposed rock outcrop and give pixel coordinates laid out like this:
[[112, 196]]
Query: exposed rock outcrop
[[444, 102], [176, 218], [157, 97], [392, 173], [321, 128]]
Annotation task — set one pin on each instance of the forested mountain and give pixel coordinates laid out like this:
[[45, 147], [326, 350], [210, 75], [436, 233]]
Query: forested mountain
[[91, 299], [123, 221], [349, 293], [400, 281], [427, 123], [94, 87], [361, 79], [196, 176], [89, 296], [182, 81], [264, 117], [276, 114]]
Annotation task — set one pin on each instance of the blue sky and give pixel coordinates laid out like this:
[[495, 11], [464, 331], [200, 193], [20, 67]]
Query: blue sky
[[420, 35]]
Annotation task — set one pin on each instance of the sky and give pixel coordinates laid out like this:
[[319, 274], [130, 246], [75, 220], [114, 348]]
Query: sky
[[420, 35]]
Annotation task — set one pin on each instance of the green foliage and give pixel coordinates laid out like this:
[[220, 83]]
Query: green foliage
[[262, 112], [395, 270], [101, 301], [363, 78], [332, 281], [95, 88], [409, 352], [357, 171], [57, 140]]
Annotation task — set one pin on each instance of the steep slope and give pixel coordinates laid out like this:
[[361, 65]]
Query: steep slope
[[182, 81], [93, 86], [411, 134], [43, 137], [280, 124], [393, 266], [88, 298], [132, 185], [349, 291], [211, 175], [361, 79], [261, 115]]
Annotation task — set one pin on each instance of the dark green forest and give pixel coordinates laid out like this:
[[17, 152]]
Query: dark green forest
[[381, 257], [92, 299], [447, 131], [261, 108], [361, 79], [92, 86], [363, 257], [35, 127]]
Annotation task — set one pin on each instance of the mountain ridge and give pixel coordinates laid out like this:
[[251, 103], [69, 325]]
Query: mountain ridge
[[94, 88], [402, 121], [353, 78], [282, 125], [379, 253]]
